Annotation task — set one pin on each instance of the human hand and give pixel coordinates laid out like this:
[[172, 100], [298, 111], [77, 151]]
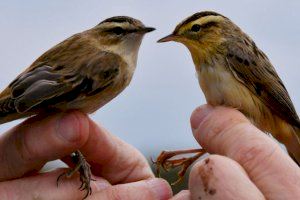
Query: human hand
[[249, 164], [121, 172]]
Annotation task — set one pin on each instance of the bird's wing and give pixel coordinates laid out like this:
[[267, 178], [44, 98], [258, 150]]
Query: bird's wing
[[49, 85], [252, 68]]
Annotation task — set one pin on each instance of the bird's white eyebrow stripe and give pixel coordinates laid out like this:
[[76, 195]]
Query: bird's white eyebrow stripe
[[200, 15], [208, 19]]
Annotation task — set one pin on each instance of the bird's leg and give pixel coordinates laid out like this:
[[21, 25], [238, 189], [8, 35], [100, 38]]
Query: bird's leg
[[83, 167], [165, 161]]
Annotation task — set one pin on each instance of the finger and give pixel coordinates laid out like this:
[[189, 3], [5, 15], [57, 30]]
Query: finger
[[113, 159], [227, 132], [43, 186], [218, 177], [182, 195], [31, 144], [152, 189]]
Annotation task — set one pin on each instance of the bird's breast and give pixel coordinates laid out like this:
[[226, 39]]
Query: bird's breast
[[221, 88]]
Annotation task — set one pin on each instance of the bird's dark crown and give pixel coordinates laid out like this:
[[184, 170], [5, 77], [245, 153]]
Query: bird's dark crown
[[122, 19], [197, 16]]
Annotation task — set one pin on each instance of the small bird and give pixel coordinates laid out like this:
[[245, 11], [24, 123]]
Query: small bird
[[233, 72], [84, 72]]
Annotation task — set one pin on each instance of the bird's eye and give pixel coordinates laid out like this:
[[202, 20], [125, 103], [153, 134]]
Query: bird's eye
[[118, 30], [196, 28]]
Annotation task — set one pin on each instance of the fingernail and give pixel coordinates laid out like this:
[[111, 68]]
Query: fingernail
[[199, 114], [161, 189], [67, 127]]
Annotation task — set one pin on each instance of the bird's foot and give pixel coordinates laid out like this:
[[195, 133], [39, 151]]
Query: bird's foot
[[83, 167], [165, 161]]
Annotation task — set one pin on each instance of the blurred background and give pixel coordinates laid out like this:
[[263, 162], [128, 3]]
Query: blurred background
[[153, 113]]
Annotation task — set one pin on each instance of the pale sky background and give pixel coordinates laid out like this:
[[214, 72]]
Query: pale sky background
[[153, 112]]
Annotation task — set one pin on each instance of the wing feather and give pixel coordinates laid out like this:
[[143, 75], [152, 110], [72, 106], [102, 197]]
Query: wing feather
[[44, 83], [253, 69]]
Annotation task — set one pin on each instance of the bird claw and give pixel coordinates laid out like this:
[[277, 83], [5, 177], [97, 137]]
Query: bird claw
[[84, 170], [165, 161]]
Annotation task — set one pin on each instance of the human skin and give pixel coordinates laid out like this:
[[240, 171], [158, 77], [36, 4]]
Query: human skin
[[120, 171], [249, 164], [244, 163]]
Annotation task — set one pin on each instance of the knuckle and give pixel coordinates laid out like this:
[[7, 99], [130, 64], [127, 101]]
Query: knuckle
[[26, 152], [137, 166], [215, 127], [82, 122], [254, 154]]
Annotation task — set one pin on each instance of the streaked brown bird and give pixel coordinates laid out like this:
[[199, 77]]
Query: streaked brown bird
[[84, 72], [234, 72]]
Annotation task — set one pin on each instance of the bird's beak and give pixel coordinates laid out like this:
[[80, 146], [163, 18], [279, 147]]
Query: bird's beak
[[146, 29], [168, 38]]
